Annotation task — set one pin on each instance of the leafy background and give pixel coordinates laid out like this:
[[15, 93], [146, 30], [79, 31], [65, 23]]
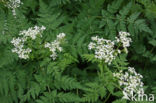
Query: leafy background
[[74, 77]]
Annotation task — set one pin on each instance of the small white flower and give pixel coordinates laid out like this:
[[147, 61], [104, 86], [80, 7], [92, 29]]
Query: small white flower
[[43, 28], [55, 45], [61, 36], [91, 45], [131, 69], [94, 38], [13, 4], [124, 39], [125, 95], [47, 45], [119, 51]]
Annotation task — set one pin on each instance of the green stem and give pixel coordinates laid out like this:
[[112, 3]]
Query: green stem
[[117, 86], [101, 68], [107, 98], [105, 67], [49, 89], [77, 91]]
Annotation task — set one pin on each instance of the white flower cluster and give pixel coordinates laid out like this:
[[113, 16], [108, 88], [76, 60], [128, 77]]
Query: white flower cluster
[[18, 43], [105, 49], [19, 48], [131, 82], [13, 4], [55, 45], [32, 32], [124, 39]]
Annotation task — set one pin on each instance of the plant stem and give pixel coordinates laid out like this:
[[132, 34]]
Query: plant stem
[[107, 98]]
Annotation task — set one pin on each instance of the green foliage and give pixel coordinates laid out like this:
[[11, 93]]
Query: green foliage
[[75, 76], [53, 97], [49, 16], [125, 20]]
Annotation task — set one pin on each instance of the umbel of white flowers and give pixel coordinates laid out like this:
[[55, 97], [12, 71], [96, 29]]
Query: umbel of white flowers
[[13, 4], [18, 42], [131, 82], [124, 39], [105, 49], [55, 45]]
